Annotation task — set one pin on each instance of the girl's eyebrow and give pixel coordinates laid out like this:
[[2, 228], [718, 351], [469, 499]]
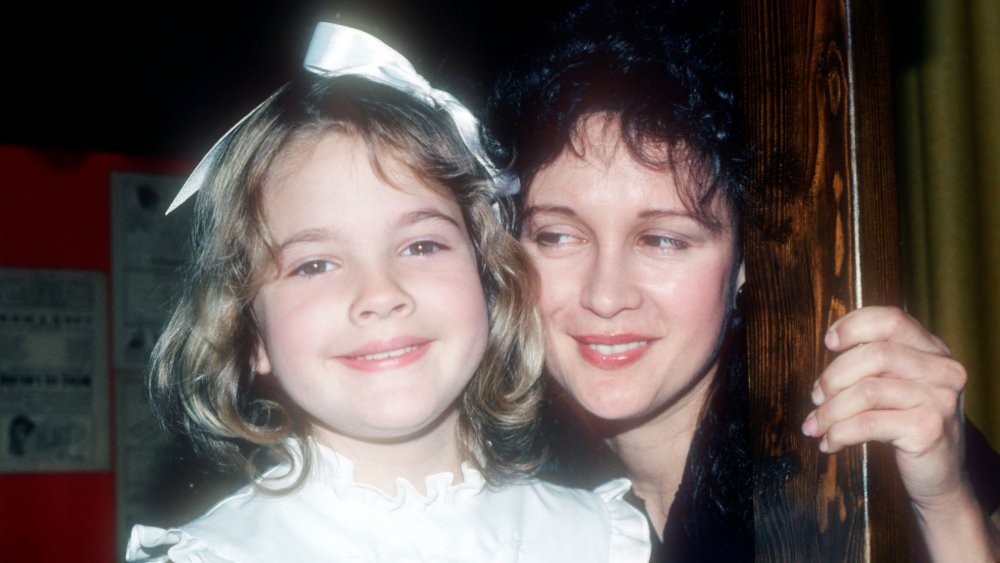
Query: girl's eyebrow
[[318, 234], [426, 214], [323, 234]]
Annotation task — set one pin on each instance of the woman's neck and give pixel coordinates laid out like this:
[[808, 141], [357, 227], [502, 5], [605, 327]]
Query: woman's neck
[[380, 462], [655, 452]]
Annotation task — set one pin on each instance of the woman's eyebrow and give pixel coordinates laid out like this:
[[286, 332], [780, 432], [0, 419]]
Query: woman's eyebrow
[[644, 214], [666, 214], [547, 209]]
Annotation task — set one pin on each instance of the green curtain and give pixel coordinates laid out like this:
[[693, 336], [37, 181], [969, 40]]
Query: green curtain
[[947, 84]]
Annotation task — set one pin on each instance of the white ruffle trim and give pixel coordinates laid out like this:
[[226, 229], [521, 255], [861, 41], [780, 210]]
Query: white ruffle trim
[[156, 545], [630, 539], [335, 472]]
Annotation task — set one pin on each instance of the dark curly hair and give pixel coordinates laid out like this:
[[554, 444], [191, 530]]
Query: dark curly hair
[[664, 69]]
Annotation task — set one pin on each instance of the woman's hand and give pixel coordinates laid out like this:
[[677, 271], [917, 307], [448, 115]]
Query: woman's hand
[[895, 382]]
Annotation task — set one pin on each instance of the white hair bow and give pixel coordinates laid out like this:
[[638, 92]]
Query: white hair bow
[[337, 50]]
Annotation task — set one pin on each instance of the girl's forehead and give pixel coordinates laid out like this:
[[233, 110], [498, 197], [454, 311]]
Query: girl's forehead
[[388, 161], [330, 181]]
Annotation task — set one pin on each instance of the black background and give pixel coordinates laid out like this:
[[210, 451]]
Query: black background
[[166, 78]]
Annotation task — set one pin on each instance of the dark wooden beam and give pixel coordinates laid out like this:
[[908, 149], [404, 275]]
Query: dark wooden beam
[[816, 92]]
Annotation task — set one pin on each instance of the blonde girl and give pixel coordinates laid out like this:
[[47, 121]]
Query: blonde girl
[[357, 321]]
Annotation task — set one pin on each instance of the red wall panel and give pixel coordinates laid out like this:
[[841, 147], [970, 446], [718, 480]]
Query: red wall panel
[[55, 213]]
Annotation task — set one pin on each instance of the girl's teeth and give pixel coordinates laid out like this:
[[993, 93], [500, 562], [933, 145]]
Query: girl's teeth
[[389, 354], [607, 350]]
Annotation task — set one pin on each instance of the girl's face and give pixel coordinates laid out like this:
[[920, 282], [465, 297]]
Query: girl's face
[[373, 320], [635, 291]]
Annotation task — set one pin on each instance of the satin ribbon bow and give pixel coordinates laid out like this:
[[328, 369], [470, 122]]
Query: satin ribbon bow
[[337, 50]]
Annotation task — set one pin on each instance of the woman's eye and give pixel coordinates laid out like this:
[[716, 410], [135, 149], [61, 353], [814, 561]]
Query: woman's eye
[[552, 239], [314, 267], [661, 242], [423, 248]]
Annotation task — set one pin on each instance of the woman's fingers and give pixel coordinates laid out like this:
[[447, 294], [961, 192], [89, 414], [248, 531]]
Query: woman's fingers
[[889, 359], [907, 414], [873, 324], [891, 426], [872, 394]]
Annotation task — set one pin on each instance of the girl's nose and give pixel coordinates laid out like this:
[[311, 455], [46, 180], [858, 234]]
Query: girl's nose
[[609, 288], [380, 296]]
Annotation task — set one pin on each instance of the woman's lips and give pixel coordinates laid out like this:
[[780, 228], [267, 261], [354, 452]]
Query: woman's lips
[[612, 351], [386, 355]]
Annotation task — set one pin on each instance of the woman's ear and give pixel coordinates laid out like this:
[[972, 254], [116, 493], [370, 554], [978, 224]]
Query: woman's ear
[[740, 281]]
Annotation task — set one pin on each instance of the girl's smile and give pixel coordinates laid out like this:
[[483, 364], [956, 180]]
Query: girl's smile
[[386, 355]]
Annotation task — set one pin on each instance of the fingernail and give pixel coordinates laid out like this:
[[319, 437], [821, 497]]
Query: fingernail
[[809, 426], [832, 339], [817, 394], [824, 445]]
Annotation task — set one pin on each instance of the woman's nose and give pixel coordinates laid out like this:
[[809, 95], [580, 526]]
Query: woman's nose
[[380, 295], [609, 288]]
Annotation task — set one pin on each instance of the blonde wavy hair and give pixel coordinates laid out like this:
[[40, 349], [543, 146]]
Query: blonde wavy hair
[[202, 382]]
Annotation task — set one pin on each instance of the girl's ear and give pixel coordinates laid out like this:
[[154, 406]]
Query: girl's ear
[[261, 361]]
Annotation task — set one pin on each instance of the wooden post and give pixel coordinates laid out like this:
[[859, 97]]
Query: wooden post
[[817, 101]]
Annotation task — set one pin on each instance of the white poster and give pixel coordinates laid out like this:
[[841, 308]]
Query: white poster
[[148, 250], [53, 371]]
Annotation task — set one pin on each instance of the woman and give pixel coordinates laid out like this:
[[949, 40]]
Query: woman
[[632, 210]]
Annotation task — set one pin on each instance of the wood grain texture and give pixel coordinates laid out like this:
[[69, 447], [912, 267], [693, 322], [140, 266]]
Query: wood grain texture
[[824, 240]]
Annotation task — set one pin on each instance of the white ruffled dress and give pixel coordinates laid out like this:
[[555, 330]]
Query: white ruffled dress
[[333, 518]]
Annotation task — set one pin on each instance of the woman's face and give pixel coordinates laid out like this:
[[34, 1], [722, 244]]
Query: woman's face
[[635, 290]]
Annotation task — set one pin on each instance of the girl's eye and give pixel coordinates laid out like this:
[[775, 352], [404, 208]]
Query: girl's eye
[[661, 242], [552, 239], [423, 248], [313, 268]]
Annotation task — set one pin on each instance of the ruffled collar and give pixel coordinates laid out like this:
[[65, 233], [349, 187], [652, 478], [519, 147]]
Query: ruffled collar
[[333, 473]]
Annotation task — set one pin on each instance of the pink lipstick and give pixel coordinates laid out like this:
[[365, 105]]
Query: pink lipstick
[[612, 352]]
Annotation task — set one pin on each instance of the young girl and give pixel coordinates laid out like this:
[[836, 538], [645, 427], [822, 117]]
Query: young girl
[[356, 311]]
